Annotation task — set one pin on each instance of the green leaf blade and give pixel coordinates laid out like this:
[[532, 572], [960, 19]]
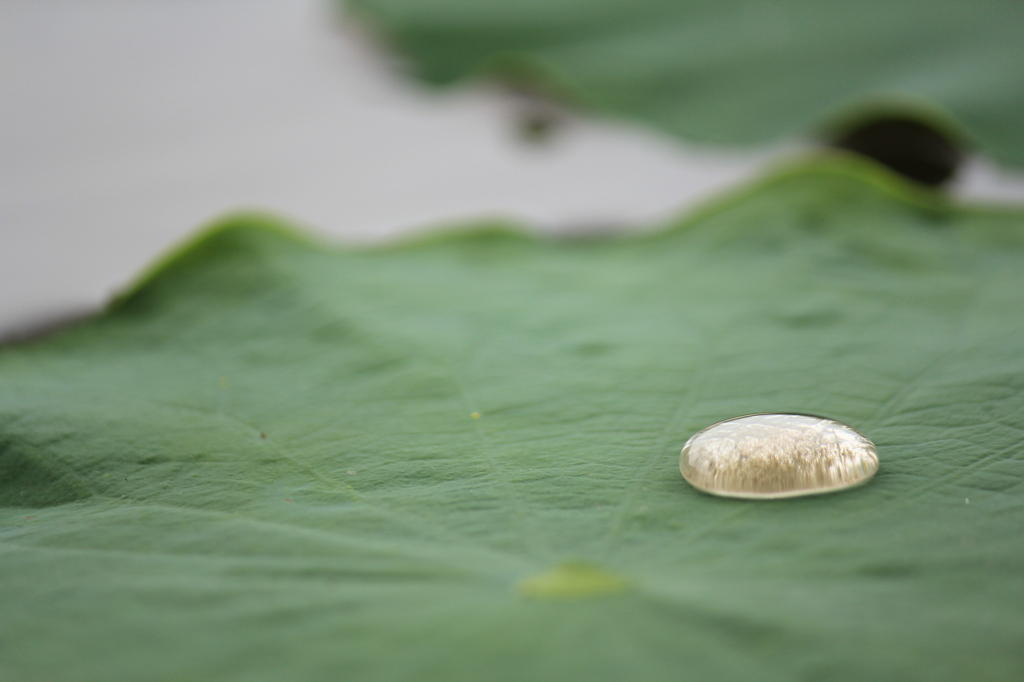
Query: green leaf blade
[[736, 72], [290, 461]]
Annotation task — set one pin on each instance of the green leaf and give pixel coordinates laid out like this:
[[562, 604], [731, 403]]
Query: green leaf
[[736, 71], [456, 458]]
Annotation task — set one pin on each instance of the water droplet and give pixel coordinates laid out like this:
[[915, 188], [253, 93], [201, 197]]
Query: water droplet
[[764, 456]]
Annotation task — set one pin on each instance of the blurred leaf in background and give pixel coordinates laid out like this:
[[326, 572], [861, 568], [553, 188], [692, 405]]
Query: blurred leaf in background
[[737, 71], [456, 458]]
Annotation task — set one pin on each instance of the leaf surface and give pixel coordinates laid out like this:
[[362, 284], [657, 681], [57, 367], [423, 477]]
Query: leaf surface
[[736, 71], [456, 458]]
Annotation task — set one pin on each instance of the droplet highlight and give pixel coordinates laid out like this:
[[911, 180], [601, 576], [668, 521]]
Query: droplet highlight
[[770, 456]]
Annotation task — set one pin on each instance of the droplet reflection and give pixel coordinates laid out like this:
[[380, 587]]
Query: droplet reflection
[[764, 456]]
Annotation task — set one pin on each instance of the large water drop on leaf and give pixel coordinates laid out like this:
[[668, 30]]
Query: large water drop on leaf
[[765, 456]]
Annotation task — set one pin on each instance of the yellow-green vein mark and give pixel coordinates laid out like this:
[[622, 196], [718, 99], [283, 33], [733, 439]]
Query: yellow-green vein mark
[[572, 580]]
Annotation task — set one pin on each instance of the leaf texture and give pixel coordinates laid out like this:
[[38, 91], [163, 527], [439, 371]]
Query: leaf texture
[[455, 457]]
